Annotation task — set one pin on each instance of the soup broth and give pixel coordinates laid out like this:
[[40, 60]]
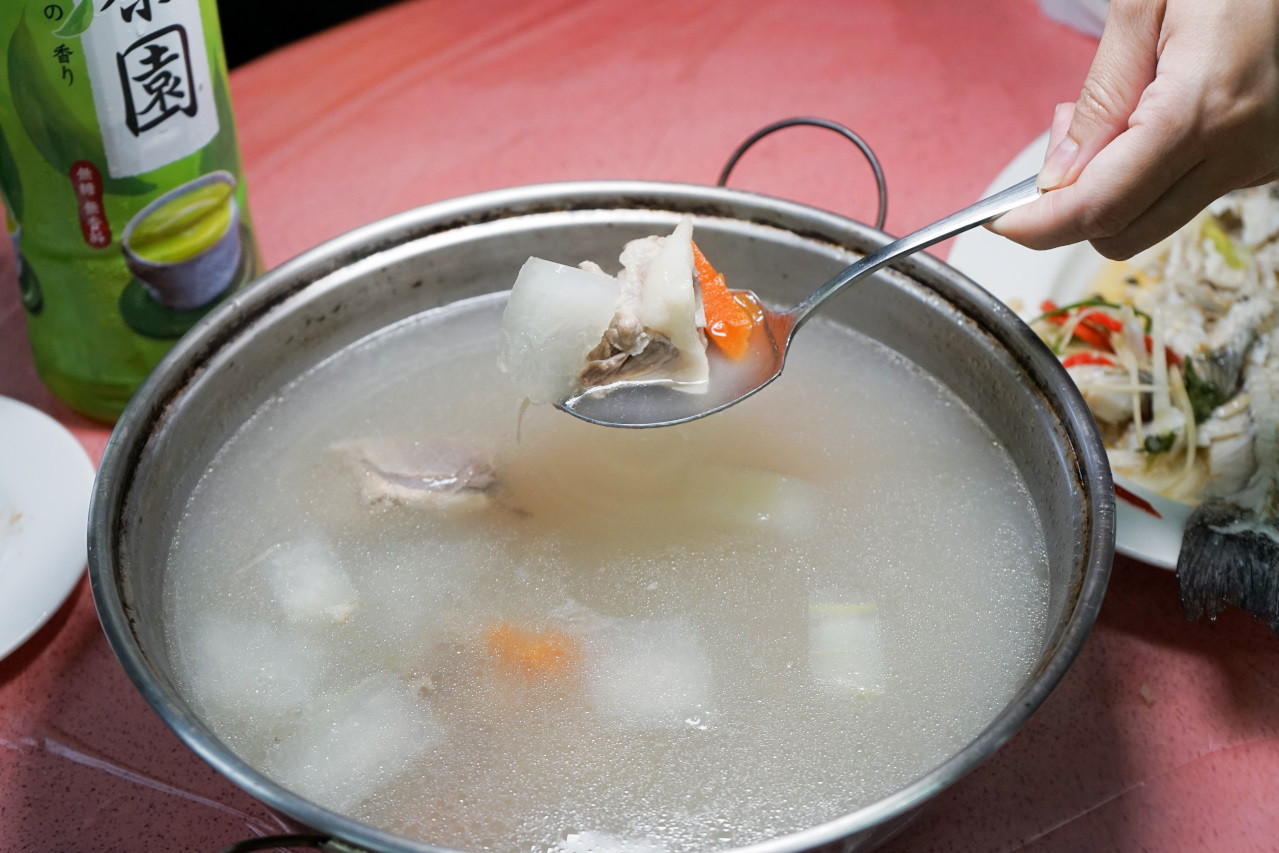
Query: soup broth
[[581, 638]]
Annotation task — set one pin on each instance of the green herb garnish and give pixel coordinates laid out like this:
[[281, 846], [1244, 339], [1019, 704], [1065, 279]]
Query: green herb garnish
[[1203, 393], [1160, 443], [1093, 302]]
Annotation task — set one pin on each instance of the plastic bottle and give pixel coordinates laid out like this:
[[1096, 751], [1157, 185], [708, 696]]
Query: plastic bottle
[[122, 184]]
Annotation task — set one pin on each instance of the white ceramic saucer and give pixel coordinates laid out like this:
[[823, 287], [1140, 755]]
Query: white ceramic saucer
[[45, 482]]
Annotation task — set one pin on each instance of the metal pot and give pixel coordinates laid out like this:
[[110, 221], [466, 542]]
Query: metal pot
[[329, 297]]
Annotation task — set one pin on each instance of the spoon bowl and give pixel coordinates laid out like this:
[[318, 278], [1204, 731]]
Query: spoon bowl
[[645, 404], [651, 404]]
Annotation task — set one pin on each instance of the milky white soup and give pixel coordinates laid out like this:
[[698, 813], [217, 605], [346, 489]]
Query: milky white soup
[[679, 639]]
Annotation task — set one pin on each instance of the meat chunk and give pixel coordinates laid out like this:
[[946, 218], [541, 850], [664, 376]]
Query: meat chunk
[[421, 472], [626, 354], [656, 306]]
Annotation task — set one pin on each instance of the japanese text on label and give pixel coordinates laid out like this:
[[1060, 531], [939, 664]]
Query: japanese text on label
[[87, 183]]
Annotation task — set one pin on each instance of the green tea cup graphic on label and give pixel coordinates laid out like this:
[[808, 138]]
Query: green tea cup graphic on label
[[185, 246]]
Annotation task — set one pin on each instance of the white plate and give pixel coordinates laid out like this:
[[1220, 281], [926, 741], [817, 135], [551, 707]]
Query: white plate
[[45, 482], [1022, 279]]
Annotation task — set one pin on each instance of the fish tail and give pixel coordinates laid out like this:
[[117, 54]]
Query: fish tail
[[1229, 556]]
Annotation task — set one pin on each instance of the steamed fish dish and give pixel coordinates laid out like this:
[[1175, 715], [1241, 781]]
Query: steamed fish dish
[[562, 638], [569, 330], [1177, 355]]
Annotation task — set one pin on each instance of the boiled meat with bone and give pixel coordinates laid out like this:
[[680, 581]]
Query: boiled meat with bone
[[566, 330]]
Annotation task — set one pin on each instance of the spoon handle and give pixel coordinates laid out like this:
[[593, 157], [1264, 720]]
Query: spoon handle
[[973, 215]]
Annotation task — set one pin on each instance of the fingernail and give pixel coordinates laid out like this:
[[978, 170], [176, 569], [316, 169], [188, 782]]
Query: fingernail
[[1057, 164]]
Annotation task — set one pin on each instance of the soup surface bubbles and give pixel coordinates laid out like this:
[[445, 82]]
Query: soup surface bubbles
[[585, 639]]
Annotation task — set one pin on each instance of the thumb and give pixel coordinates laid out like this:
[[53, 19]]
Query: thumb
[[1124, 66]]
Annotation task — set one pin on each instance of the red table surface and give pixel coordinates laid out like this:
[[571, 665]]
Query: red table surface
[[438, 98]]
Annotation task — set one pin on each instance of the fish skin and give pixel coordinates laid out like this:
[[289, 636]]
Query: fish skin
[[1223, 367]]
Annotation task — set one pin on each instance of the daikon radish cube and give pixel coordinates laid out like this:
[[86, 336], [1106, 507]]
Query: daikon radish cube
[[308, 583], [749, 497], [844, 651], [555, 317], [348, 749], [649, 674], [249, 670]]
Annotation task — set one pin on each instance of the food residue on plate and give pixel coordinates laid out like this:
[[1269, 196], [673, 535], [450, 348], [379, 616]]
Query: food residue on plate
[[11, 527]]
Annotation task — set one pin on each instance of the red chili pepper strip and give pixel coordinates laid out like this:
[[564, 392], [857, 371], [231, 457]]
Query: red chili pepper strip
[[1169, 356], [1093, 338], [1104, 331], [1086, 358], [1048, 307], [1104, 320], [1140, 503]]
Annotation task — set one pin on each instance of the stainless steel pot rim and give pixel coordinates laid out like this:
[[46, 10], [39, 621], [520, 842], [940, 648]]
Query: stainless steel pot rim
[[153, 401]]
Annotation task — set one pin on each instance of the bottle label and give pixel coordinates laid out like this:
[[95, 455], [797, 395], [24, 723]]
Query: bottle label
[[149, 72], [121, 179]]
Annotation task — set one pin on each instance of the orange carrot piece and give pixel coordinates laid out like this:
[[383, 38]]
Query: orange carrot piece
[[532, 655], [728, 321]]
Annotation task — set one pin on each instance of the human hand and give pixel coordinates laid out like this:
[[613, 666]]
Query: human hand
[[1180, 106]]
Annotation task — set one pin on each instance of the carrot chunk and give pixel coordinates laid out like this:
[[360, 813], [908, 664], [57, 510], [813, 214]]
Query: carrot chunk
[[728, 321], [532, 655]]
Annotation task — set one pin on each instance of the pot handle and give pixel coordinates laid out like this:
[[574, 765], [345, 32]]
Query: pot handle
[[810, 121], [319, 842]]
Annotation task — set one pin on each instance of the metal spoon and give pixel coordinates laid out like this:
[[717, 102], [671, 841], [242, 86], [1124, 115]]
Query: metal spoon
[[649, 404]]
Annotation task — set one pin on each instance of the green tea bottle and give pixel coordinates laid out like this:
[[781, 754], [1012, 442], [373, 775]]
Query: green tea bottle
[[122, 185]]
